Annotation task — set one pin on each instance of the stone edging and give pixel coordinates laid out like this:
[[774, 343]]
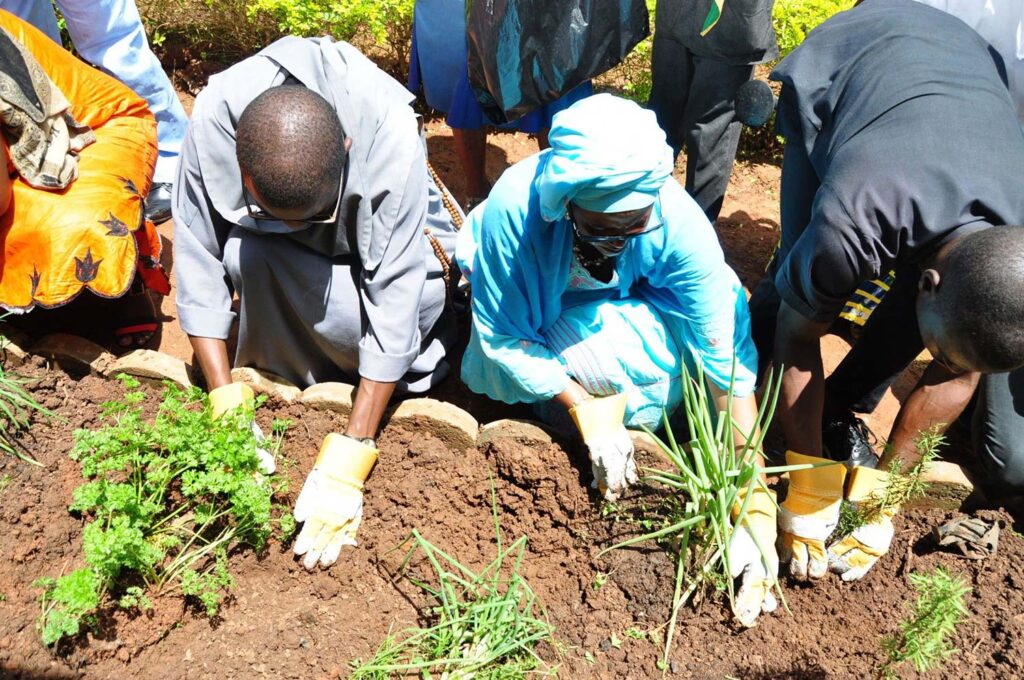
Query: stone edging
[[454, 426]]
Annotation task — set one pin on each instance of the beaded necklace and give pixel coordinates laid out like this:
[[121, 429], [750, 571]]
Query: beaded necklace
[[597, 264]]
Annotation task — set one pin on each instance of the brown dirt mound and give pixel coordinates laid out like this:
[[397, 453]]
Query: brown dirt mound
[[285, 623]]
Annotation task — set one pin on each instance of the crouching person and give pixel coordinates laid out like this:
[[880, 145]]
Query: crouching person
[[592, 275], [303, 188]]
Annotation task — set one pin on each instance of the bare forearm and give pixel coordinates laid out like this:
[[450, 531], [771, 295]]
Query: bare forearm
[[938, 399], [212, 355], [371, 401], [744, 418], [802, 395], [572, 395]]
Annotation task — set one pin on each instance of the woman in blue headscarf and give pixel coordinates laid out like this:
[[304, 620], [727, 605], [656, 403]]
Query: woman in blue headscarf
[[594, 277]]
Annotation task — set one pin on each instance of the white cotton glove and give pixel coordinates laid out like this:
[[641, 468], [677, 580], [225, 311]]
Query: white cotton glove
[[600, 422], [809, 515], [330, 505], [853, 556], [746, 562], [235, 395]]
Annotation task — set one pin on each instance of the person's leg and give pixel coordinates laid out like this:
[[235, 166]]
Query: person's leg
[[300, 316], [886, 345], [471, 146], [799, 186], [615, 346], [997, 433], [110, 35], [671, 75], [39, 13], [712, 131]]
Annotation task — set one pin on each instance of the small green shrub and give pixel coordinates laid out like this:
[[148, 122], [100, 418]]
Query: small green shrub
[[166, 501], [923, 639], [903, 485], [217, 31], [794, 19], [382, 29]]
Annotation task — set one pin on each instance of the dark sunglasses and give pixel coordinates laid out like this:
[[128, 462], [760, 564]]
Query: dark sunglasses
[[258, 213], [642, 227]]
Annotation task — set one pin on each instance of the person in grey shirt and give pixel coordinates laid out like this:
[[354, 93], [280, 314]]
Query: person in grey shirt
[[695, 80], [304, 189]]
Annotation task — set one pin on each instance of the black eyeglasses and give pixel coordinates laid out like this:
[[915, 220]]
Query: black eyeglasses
[[257, 213], [643, 227]]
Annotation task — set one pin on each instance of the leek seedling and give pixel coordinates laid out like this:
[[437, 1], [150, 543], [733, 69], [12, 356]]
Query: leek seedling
[[16, 406], [486, 626], [709, 478]]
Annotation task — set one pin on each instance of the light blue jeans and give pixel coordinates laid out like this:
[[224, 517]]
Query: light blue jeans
[[109, 35]]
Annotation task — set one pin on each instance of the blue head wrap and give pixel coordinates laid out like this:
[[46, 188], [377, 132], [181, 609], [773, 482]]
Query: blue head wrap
[[607, 155]]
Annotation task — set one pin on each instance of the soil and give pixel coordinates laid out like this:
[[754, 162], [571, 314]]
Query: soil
[[283, 622]]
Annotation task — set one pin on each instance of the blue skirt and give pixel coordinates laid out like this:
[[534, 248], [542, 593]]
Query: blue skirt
[[438, 65]]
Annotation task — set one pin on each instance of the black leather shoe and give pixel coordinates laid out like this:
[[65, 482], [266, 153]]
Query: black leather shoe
[[158, 203], [849, 441]]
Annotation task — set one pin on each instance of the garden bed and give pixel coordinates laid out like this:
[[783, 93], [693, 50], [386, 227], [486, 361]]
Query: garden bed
[[607, 612]]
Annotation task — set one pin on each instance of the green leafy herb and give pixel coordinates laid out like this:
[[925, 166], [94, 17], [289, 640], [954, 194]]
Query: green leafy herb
[[167, 500]]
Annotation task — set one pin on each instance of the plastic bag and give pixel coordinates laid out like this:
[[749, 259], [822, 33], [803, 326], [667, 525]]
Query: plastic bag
[[526, 53]]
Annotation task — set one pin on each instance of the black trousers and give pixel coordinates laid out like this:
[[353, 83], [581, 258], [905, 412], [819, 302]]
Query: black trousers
[[890, 340], [693, 98]]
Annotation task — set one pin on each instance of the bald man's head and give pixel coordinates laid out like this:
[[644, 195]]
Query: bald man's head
[[290, 145]]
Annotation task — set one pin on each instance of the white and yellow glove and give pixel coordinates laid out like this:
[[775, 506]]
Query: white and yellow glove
[[809, 515], [236, 395], [600, 422], [757, 573], [852, 556], [330, 504]]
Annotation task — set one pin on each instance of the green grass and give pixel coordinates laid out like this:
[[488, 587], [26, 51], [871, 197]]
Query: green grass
[[486, 623]]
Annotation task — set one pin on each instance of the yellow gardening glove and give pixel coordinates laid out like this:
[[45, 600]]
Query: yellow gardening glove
[[809, 515], [746, 561], [235, 395], [331, 501], [852, 556], [600, 422]]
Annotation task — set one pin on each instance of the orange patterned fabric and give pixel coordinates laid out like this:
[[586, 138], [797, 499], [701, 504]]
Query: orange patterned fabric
[[93, 235]]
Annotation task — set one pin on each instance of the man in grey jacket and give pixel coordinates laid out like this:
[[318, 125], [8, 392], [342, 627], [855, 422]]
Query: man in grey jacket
[[304, 189]]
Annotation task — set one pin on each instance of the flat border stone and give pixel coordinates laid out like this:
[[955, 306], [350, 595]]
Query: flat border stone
[[12, 349], [329, 396], [266, 382], [949, 486], [151, 365], [447, 422], [74, 354], [527, 432]]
